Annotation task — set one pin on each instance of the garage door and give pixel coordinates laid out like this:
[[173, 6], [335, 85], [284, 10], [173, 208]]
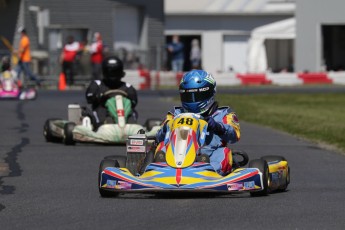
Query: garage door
[[235, 52]]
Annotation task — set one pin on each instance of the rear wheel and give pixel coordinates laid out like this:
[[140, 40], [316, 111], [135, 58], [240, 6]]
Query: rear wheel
[[287, 181], [68, 133], [272, 158], [263, 167], [111, 162], [47, 131]]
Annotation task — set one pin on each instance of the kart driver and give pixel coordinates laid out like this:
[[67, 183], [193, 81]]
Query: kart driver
[[112, 69], [197, 93], [8, 77]]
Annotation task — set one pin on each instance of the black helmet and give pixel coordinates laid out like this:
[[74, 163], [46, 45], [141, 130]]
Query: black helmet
[[112, 68], [5, 63]]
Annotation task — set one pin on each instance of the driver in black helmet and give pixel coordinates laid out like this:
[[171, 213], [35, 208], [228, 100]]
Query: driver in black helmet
[[112, 69]]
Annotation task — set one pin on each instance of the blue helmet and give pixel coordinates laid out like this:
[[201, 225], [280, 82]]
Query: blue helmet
[[197, 90]]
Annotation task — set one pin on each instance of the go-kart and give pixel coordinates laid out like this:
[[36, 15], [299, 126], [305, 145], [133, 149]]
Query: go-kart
[[79, 127], [181, 169], [10, 90]]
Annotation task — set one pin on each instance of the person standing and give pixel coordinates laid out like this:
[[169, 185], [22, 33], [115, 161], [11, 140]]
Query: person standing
[[96, 51], [176, 49], [195, 54], [24, 56], [67, 59]]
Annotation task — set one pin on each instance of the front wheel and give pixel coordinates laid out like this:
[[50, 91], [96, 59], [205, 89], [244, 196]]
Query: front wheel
[[107, 162], [263, 168]]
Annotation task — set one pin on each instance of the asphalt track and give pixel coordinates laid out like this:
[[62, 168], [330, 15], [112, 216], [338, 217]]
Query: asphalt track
[[52, 186]]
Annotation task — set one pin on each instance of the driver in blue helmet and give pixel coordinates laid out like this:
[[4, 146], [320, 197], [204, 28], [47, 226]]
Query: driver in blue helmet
[[197, 92]]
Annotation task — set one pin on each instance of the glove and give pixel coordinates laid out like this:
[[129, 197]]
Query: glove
[[215, 127], [161, 133], [164, 128]]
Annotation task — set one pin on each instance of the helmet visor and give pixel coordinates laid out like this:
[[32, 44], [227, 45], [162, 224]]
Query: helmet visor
[[196, 95]]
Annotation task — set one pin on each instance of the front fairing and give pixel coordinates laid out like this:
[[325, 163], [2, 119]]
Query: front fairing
[[185, 135]]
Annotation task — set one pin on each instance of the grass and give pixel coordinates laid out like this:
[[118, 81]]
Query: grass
[[317, 117]]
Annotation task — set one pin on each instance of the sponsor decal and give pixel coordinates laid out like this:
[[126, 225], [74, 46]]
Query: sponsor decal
[[118, 184], [235, 186], [111, 183], [249, 185], [136, 142], [136, 149], [123, 185], [204, 89]]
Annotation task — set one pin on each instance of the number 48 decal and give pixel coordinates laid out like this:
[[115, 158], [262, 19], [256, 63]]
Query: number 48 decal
[[188, 121]]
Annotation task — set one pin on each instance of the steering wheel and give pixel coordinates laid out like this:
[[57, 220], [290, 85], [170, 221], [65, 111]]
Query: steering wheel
[[114, 92]]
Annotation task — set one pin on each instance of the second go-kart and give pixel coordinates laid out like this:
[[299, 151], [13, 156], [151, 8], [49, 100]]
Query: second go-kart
[[9, 89], [79, 128], [181, 169]]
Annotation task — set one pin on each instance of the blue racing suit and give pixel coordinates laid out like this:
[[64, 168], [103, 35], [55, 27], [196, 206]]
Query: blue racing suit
[[215, 145]]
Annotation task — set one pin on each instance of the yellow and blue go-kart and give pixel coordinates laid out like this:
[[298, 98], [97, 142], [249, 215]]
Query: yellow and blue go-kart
[[180, 171]]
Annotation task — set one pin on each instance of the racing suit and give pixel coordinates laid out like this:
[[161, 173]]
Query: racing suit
[[215, 145], [95, 96]]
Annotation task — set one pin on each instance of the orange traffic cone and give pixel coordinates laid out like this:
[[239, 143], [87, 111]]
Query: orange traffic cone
[[62, 82]]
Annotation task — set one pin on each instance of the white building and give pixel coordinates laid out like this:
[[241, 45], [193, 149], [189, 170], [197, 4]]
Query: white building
[[224, 28]]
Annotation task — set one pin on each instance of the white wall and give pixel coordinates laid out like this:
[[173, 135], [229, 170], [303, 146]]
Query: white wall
[[212, 44], [310, 16], [235, 49]]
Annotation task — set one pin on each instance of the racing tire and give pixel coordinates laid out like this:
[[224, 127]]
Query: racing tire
[[68, 133], [271, 158], [150, 123], [47, 131], [263, 167], [107, 162]]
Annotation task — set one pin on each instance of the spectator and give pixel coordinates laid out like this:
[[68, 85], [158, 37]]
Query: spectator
[[24, 56], [96, 51], [195, 54], [176, 49], [67, 59]]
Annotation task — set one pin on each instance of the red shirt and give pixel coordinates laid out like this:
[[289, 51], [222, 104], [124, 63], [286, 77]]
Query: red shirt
[[97, 52], [70, 51]]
